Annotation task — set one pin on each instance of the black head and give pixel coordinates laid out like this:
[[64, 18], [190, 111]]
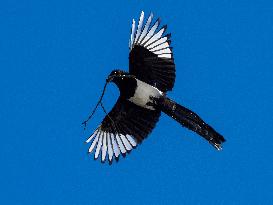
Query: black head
[[125, 81], [118, 75]]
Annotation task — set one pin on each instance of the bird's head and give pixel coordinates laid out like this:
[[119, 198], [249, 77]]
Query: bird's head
[[118, 75]]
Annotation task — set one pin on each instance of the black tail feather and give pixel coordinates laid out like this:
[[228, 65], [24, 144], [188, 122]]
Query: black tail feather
[[190, 120]]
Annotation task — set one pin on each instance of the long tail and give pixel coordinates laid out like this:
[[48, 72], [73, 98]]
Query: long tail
[[190, 120]]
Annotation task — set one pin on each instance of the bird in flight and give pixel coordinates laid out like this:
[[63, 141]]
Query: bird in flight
[[143, 96]]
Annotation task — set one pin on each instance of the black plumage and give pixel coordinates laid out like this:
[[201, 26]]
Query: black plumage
[[143, 96], [130, 119], [148, 67], [190, 120]]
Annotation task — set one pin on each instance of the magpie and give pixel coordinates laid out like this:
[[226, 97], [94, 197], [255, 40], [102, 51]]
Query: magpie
[[143, 96]]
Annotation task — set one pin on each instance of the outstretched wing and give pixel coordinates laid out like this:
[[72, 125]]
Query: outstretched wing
[[151, 58], [121, 130]]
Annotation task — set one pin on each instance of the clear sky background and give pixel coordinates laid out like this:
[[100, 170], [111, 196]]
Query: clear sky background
[[54, 58]]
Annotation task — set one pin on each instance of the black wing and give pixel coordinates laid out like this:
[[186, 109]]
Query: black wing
[[122, 129], [151, 58]]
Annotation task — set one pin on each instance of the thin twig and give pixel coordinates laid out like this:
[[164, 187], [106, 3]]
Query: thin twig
[[94, 110], [113, 122]]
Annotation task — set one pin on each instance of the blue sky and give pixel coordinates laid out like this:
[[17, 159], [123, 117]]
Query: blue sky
[[54, 58]]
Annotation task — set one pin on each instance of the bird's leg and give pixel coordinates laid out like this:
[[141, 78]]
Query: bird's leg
[[152, 101]]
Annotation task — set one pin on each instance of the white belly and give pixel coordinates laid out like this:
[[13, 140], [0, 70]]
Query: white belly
[[143, 93]]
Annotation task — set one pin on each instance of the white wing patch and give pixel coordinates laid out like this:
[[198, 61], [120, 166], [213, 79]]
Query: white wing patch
[[148, 37], [146, 27], [104, 147], [139, 27], [110, 145], [132, 34], [99, 145]]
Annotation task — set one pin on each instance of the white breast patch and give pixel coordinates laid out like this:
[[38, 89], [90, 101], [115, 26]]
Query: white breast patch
[[143, 93]]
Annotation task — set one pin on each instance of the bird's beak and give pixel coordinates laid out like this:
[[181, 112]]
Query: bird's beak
[[110, 78]]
